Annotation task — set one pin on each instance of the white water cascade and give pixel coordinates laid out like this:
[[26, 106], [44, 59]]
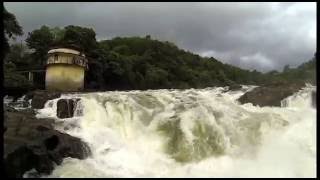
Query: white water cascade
[[189, 133]]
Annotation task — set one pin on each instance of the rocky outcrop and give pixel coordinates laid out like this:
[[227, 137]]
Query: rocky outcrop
[[66, 107], [270, 95], [16, 92], [232, 87], [40, 97], [235, 87], [23, 104], [34, 143]]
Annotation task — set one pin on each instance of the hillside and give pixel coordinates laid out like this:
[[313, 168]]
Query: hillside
[[143, 63], [125, 63]]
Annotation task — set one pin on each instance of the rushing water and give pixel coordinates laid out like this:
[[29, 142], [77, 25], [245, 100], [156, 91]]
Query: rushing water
[[18, 104], [189, 133]]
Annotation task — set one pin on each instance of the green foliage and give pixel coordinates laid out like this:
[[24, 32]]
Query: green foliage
[[145, 63], [13, 56], [11, 26], [20, 56], [40, 40], [11, 29], [305, 73], [8, 67], [84, 38], [15, 80], [58, 35], [122, 49], [156, 77], [142, 63]]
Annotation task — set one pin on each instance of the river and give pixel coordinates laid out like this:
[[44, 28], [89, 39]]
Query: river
[[189, 133]]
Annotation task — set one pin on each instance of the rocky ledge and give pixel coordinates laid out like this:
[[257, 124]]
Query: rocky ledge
[[40, 97], [31, 143], [272, 95], [65, 107]]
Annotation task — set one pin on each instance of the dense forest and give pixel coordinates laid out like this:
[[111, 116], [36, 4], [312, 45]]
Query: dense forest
[[124, 63]]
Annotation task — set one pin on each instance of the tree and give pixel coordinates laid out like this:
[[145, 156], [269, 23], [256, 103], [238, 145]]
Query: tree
[[84, 38], [155, 77], [40, 40], [11, 29], [221, 76], [15, 80], [12, 61], [19, 56], [122, 49], [58, 35], [8, 67]]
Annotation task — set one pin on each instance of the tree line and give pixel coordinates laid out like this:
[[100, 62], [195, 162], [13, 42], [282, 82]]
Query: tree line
[[124, 63]]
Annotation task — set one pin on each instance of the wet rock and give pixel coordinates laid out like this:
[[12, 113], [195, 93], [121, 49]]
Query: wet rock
[[16, 102], [234, 87], [270, 95], [9, 109], [66, 107], [23, 104], [39, 98], [29, 95], [16, 92], [31, 143]]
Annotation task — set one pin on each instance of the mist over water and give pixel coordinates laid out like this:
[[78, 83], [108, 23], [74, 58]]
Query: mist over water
[[189, 133]]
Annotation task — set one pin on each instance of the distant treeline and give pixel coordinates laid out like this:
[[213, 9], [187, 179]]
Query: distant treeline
[[138, 63]]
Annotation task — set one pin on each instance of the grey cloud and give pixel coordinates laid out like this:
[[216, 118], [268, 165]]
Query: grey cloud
[[262, 36]]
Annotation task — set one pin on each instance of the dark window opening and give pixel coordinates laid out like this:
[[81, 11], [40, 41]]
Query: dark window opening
[[55, 58]]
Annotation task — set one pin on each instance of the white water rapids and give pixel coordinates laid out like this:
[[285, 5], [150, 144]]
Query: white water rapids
[[189, 133]]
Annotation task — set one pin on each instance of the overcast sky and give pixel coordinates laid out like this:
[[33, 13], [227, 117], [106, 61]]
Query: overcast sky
[[262, 36]]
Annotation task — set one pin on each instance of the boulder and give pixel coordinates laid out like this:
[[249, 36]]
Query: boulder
[[270, 95], [40, 97], [66, 107], [34, 143], [235, 87]]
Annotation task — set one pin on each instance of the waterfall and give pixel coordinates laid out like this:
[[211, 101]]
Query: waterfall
[[189, 133]]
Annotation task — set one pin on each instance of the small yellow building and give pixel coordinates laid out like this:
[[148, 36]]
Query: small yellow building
[[65, 70]]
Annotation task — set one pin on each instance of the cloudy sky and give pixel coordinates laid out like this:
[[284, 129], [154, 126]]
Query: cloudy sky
[[262, 36]]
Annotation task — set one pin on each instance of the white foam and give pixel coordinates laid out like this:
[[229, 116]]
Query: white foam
[[121, 129]]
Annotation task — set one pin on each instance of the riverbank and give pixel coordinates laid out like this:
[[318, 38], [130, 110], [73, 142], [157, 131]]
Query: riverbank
[[32, 143]]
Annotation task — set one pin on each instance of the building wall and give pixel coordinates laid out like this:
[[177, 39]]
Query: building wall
[[66, 58], [64, 77]]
